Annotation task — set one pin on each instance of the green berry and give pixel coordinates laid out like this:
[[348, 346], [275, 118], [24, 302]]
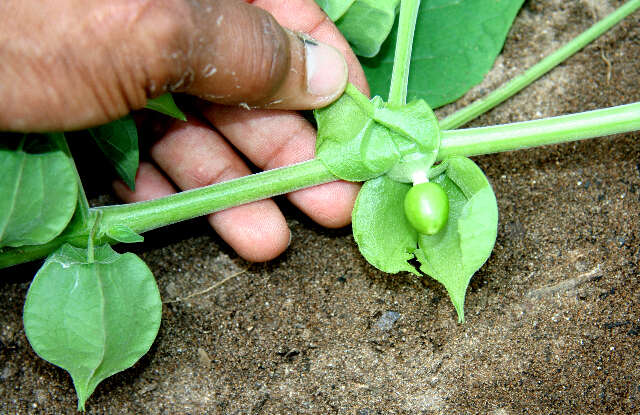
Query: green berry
[[426, 206]]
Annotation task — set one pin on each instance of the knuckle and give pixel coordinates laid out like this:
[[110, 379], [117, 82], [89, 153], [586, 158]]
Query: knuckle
[[160, 33], [279, 154], [233, 53], [159, 21], [275, 46], [204, 175], [141, 24], [149, 37]]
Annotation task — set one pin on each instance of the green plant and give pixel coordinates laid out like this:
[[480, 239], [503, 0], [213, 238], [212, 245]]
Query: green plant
[[386, 144]]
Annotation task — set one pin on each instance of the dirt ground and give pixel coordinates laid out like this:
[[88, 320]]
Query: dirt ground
[[553, 318]]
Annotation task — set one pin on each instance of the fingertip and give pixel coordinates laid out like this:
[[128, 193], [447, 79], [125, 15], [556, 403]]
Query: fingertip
[[256, 231], [316, 75], [330, 205], [327, 72], [328, 33]]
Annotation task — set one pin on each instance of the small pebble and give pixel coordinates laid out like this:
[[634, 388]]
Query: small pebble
[[387, 320]]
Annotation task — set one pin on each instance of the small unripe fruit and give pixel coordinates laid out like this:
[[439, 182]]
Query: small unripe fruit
[[426, 206]]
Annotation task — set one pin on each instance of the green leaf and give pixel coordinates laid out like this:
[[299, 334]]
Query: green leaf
[[166, 105], [417, 137], [455, 45], [38, 196], [92, 319], [454, 254], [335, 8], [383, 234], [118, 140], [124, 234], [359, 149], [377, 138], [367, 23]]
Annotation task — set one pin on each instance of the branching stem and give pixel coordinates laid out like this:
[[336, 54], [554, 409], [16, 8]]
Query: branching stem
[[514, 86]]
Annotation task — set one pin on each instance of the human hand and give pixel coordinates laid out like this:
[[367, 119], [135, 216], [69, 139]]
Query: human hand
[[76, 63]]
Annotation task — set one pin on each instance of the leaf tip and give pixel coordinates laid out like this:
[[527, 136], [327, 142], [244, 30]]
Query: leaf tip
[[458, 304], [124, 234], [82, 397], [131, 183]]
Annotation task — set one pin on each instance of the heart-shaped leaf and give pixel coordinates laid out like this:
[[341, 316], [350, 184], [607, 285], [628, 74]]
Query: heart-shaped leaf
[[454, 46], [93, 319]]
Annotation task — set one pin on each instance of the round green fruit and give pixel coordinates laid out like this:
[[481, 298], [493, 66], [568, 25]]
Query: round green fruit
[[426, 206]]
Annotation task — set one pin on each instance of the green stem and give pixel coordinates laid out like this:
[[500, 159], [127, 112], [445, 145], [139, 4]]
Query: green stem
[[563, 129], [21, 143], [144, 216], [402, 56], [92, 237], [152, 214], [514, 86]]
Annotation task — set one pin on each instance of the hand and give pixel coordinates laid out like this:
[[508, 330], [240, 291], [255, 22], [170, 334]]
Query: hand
[[73, 64]]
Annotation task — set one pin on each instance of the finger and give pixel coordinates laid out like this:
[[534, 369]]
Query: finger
[[76, 64], [310, 19], [194, 156], [242, 55], [273, 139]]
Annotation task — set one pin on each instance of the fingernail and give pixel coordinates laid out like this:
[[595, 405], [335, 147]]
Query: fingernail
[[326, 69]]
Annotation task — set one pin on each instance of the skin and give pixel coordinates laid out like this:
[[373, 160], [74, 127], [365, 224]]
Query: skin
[[72, 64]]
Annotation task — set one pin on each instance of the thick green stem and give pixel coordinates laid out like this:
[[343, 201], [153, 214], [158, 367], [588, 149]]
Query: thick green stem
[[402, 56], [152, 214], [514, 86], [563, 129]]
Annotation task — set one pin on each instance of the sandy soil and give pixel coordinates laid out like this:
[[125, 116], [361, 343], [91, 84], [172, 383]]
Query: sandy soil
[[553, 318]]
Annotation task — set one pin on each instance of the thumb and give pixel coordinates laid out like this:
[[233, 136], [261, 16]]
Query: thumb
[[73, 64], [242, 55]]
